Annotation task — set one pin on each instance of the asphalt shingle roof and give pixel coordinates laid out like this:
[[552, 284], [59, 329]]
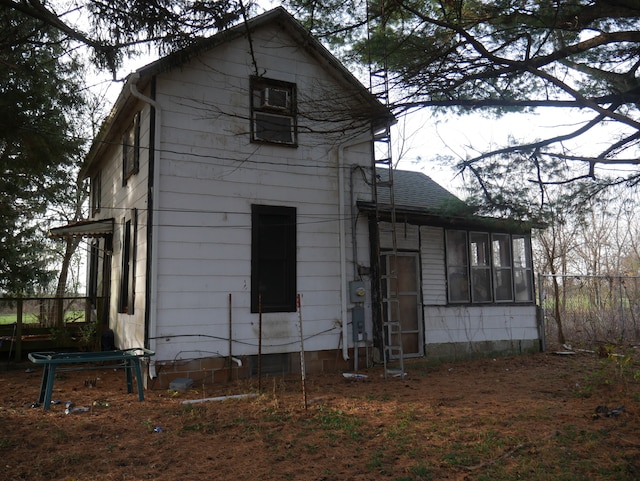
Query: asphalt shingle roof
[[415, 189]]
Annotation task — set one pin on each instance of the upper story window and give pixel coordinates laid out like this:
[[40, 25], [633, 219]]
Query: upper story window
[[95, 189], [487, 267], [273, 111], [131, 149]]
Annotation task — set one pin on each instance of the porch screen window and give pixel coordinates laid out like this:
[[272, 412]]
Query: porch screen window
[[502, 272], [480, 267], [485, 267], [127, 274], [131, 149], [273, 258], [457, 266], [273, 111], [522, 269]]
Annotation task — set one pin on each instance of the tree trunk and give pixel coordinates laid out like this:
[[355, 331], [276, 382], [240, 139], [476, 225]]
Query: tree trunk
[[556, 295], [55, 317]]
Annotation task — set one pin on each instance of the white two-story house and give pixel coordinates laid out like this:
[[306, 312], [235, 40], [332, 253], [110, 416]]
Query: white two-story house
[[232, 213]]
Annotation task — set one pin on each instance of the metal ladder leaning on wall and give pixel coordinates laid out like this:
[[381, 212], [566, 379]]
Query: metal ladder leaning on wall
[[383, 187]]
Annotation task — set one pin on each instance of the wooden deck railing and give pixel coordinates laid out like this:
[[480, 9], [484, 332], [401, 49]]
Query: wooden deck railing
[[40, 323]]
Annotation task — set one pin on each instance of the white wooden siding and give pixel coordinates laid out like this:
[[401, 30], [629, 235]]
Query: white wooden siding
[[407, 236], [434, 281], [454, 324], [117, 201]]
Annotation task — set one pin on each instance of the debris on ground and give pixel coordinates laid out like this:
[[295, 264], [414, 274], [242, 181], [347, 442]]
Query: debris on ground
[[607, 413], [354, 376]]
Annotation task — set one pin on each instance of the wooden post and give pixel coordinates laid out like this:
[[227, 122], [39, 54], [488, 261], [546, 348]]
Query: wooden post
[[60, 312], [230, 338], [17, 333], [260, 343], [303, 373], [87, 312]]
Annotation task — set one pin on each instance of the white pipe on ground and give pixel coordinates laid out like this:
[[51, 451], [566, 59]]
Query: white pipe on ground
[[219, 398]]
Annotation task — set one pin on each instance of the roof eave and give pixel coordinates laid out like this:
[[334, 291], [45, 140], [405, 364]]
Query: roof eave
[[422, 216]]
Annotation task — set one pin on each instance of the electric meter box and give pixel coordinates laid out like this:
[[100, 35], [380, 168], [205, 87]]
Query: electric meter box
[[357, 292], [357, 322]]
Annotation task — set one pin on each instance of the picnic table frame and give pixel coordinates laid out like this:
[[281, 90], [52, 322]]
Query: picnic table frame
[[129, 359]]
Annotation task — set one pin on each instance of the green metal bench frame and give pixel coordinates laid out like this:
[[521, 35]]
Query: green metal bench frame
[[129, 359]]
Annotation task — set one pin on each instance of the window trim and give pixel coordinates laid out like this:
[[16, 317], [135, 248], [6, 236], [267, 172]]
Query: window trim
[[262, 216], [458, 263], [526, 270], [259, 89], [480, 268], [500, 265]]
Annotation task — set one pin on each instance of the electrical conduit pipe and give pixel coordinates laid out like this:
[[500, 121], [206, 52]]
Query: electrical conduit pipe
[[342, 229]]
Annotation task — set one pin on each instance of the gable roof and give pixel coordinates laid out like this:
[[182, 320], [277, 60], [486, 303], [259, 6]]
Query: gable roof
[[380, 114]]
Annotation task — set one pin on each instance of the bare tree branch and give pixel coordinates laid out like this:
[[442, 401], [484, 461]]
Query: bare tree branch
[[533, 145]]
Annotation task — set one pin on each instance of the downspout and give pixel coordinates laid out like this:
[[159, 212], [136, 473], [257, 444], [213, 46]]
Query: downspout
[[152, 305], [343, 247]]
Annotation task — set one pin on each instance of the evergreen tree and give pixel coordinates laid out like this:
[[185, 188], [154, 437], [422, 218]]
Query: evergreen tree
[[115, 29], [38, 150], [40, 138]]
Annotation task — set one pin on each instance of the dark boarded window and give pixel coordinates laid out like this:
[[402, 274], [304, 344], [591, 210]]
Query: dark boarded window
[[131, 149], [273, 258], [128, 274]]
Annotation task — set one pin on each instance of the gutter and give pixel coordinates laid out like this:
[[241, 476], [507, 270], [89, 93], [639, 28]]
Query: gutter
[[152, 304], [343, 230]]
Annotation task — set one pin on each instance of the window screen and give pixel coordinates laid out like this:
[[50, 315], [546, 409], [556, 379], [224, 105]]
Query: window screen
[[457, 266]]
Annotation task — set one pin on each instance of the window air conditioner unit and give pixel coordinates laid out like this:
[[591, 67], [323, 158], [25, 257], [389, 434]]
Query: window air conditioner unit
[[274, 98]]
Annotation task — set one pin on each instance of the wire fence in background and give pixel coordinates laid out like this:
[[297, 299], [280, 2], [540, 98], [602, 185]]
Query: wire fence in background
[[590, 310]]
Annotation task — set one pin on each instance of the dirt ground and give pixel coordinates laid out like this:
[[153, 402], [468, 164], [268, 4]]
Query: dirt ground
[[543, 416]]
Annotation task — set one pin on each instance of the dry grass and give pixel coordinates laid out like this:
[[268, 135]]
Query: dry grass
[[530, 417]]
